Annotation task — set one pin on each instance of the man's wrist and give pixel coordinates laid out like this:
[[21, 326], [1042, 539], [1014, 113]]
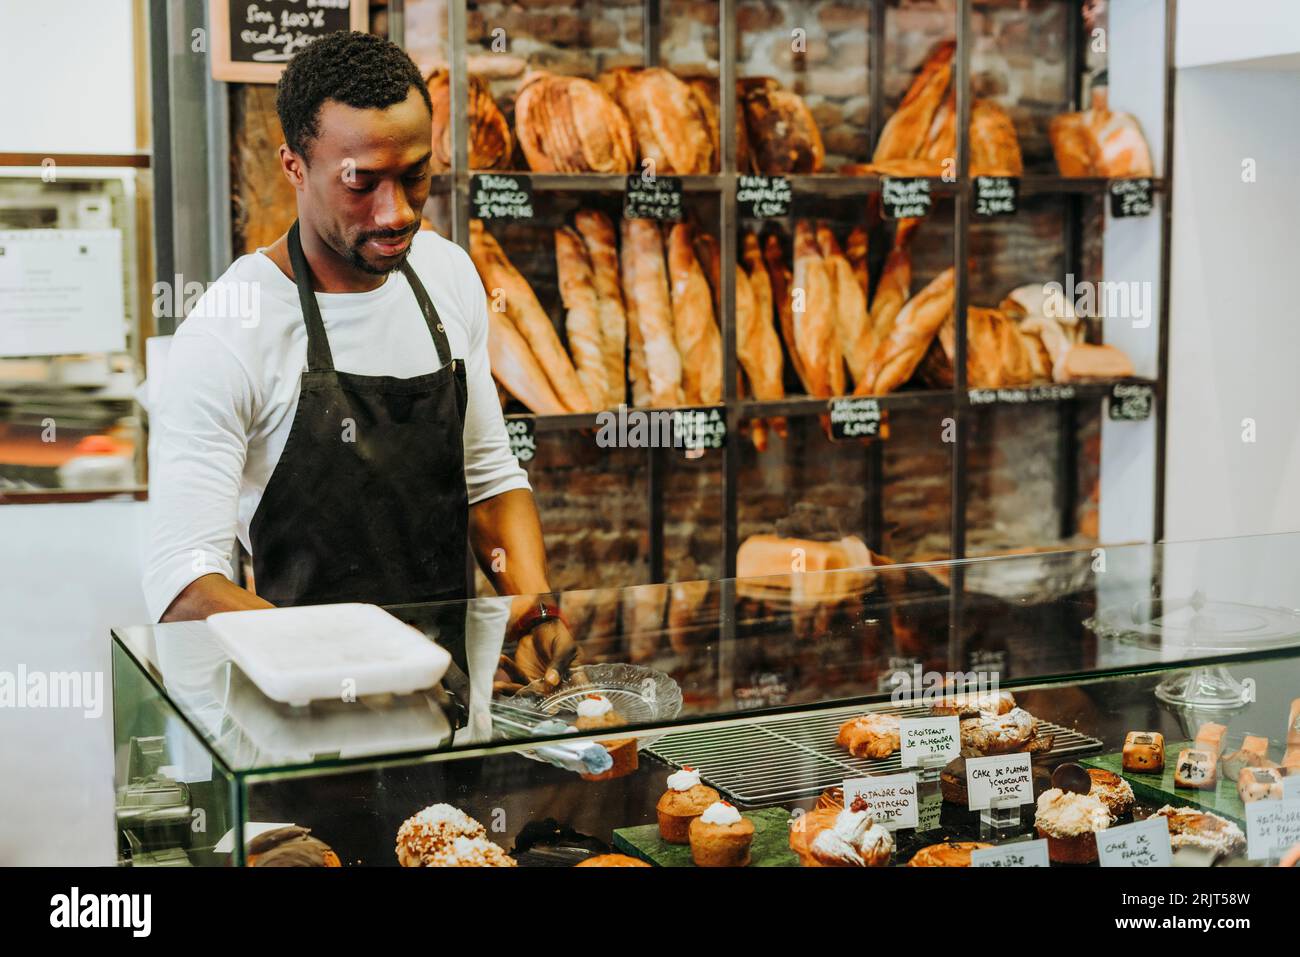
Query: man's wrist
[[541, 610]]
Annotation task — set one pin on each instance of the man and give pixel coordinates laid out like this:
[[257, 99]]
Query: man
[[346, 427]]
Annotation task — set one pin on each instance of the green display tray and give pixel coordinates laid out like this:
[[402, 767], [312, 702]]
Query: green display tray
[[1160, 789], [771, 847]]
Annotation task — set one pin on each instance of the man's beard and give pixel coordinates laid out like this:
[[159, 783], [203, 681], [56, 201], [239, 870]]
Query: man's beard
[[353, 253]]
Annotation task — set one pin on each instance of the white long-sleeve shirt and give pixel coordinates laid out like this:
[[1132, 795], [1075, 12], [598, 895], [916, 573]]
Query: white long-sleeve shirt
[[231, 389]]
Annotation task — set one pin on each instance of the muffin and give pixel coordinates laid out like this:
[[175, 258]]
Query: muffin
[[956, 854], [1113, 791], [612, 860], [444, 836], [1189, 827], [290, 847], [1070, 823], [684, 801], [720, 837], [852, 839], [594, 713]]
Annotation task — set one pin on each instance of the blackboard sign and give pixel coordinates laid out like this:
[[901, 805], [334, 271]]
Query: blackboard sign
[[1131, 402], [903, 197], [523, 441], [658, 197], [252, 40], [1130, 197], [700, 428], [997, 195], [501, 197], [763, 197], [856, 417]]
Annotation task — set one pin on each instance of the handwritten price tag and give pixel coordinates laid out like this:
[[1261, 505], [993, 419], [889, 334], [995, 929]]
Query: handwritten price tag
[[1004, 780], [929, 739], [1272, 827], [890, 797], [1019, 854], [1142, 844], [905, 197]]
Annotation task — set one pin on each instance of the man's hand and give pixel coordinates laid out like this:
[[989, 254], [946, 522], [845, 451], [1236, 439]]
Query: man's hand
[[547, 652]]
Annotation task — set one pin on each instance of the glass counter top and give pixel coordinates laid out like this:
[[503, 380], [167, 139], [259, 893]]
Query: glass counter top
[[721, 651]]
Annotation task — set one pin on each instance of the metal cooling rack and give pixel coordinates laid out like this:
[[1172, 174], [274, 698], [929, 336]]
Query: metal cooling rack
[[789, 758]]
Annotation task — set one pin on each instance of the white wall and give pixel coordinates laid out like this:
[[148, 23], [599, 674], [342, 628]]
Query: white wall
[[67, 72], [67, 574], [1235, 338], [1232, 31]]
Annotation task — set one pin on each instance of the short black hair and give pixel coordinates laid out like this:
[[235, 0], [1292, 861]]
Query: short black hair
[[359, 70]]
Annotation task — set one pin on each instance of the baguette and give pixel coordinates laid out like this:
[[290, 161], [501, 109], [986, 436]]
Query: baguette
[[516, 370], [781, 279], [529, 317], [898, 355], [1085, 361], [598, 234], [852, 322], [905, 133], [582, 315], [654, 312], [814, 323], [699, 342]]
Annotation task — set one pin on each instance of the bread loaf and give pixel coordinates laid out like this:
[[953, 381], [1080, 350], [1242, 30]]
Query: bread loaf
[[567, 124], [490, 143]]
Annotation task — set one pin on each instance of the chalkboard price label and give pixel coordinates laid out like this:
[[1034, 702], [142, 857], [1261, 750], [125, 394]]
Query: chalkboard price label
[[252, 41], [699, 429], [657, 197], [501, 197], [856, 417], [997, 195], [763, 197], [1131, 402], [904, 197], [523, 440], [1130, 197]]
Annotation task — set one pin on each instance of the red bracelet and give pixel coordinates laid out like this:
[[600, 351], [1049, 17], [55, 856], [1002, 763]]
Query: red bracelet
[[538, 613]]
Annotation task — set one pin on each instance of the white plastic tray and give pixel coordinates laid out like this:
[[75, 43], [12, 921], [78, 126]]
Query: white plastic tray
[[317, 652]]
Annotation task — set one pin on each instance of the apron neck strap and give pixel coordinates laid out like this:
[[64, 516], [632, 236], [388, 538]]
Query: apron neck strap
[[319, 358]]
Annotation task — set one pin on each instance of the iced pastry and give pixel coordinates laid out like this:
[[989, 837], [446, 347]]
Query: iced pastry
[[684, 801], [956, 854], [594, 713], [1113, 791], [999, 733], [853, 839], [444, 836], [721, 837], [973, 705], [290, 847], [1144, 752], [1070, 823], [1189, 827]]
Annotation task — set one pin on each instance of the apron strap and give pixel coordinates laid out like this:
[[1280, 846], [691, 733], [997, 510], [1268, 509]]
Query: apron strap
[[319, 358], [431, 317]]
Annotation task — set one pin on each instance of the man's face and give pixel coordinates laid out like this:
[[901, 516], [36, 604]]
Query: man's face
[[368, 179]]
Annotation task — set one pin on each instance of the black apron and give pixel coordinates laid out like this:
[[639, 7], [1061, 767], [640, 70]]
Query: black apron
[[368, 501]]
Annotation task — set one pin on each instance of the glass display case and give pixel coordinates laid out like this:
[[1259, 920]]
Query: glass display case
[[781, 692]]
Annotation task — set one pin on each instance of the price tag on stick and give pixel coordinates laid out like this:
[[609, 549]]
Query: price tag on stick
[[1016, 854], [929, 739], [1003, 780], [1141, 844], [891, 798]]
